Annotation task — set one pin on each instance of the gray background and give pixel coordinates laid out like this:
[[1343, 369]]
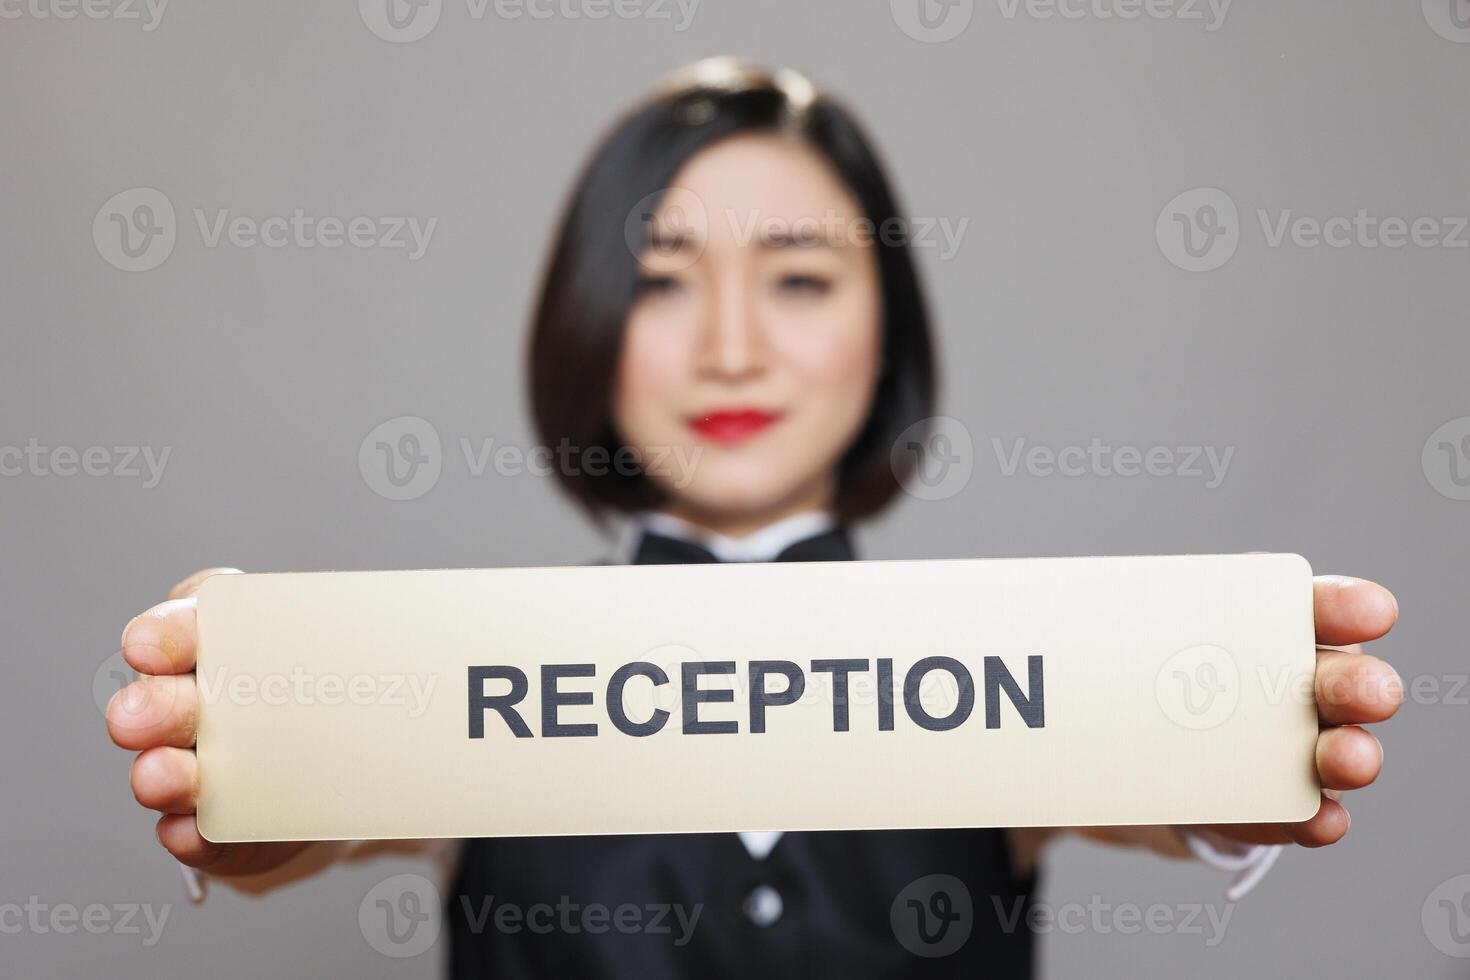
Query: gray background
[[1061, 320]]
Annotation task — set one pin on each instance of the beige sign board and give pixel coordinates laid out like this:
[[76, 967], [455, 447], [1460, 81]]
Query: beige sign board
[[789, 696]]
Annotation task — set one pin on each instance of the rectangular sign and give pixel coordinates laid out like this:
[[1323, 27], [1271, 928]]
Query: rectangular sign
[[789, 696]]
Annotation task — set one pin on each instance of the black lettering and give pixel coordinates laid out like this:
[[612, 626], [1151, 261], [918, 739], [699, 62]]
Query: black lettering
[[885, 694], [840, 669], [693, 697], [916, 710], [1031, 706], [552, 700], [760, 698], [615, 710], [480, 702]]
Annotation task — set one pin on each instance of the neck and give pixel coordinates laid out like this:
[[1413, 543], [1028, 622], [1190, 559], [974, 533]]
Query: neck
[[745, 522]]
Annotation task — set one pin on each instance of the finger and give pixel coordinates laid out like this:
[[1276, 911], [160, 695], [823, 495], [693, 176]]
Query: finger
[[1252, 833], [1352, 610], [1355, 688], [162, 640], [1347, 758], [190, 585], [179, 834], [155, 711], [166, 779], [1328, 826]]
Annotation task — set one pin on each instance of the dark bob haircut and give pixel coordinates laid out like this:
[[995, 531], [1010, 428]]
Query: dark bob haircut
[[591, 283]]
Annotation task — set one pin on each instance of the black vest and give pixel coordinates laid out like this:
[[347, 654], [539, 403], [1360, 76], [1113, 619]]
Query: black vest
[[845, 904]]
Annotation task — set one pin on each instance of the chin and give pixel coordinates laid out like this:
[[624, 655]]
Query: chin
[[739, 493]]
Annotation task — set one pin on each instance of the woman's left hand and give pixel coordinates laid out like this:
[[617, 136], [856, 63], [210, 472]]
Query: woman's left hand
[[1352, 689]]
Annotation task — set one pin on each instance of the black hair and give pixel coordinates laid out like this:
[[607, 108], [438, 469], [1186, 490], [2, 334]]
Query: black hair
[[591, 282]]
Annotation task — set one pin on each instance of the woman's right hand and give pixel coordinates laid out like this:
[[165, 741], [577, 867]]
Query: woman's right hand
[[157, 716]]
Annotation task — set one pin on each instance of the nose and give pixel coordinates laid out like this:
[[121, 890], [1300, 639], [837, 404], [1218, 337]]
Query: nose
[[732, 343]]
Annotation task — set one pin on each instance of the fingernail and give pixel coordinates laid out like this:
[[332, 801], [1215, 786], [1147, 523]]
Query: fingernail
[[133, 697]]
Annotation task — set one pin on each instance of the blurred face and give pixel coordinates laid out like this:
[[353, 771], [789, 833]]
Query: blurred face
[[753, 348]]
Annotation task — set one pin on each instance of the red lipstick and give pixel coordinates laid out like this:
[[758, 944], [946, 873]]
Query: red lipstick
[[731, 426]]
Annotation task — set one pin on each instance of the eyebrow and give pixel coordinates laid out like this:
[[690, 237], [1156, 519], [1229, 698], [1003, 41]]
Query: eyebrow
[[777, 238], [668, 241]]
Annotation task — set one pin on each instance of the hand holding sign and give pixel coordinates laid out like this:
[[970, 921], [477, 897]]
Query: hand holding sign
[[1352, 689], [158, 715]]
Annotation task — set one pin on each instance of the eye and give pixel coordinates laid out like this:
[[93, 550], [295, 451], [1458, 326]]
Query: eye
[[656, 285], [799, 284]]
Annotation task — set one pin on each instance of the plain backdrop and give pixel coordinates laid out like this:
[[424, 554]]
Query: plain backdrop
[[1062, 319]]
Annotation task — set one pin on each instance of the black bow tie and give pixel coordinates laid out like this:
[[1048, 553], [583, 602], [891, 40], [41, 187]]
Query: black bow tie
[[657, 549]]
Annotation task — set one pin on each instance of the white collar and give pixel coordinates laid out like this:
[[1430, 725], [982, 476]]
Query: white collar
[[762, 545]]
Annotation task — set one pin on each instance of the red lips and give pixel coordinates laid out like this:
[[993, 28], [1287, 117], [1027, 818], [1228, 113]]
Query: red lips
[[733, 425]]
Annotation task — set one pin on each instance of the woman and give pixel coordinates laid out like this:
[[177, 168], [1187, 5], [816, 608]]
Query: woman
[[767, 322]]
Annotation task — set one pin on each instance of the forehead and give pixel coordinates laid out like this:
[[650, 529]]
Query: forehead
[[766, 175]]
